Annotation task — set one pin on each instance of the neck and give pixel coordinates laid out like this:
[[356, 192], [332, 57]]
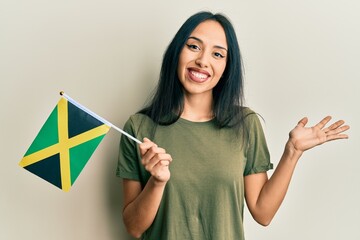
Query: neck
[[198, 108]]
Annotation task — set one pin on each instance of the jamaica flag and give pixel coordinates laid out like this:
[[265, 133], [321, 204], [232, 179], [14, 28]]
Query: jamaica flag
[[64, 144]]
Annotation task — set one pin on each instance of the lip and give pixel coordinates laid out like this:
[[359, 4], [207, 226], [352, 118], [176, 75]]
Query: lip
[[199, 76]]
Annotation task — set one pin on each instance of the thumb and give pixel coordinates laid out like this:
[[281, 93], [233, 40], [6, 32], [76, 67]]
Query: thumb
[[146, 140], [302, 122]]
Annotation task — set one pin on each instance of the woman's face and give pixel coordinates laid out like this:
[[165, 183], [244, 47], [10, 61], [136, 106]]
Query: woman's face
[[202, 61]]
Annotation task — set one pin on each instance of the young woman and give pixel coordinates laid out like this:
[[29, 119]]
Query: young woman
[[207, 151]]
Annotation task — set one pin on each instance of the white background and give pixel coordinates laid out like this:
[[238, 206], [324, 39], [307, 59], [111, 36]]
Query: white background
[[301, 59]]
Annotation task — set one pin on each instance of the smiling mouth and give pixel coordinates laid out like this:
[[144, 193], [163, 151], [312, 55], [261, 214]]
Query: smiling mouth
[[198, 76]]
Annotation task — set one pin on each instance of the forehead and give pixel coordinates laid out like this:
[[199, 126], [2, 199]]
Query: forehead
[[211, 32]]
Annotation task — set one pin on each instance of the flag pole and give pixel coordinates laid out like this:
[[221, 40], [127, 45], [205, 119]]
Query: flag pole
[[98, 117]]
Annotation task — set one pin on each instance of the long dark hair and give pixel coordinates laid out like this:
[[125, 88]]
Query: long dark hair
[[167, 102]]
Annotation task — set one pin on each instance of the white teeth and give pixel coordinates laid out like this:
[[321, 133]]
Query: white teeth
[[199, 75]]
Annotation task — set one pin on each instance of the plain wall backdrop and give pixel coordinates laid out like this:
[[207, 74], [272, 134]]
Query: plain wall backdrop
[[301, 59]]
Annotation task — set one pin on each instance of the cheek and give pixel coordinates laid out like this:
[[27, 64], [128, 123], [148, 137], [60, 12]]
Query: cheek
[[180, 70], [220, 69], [181, 65]]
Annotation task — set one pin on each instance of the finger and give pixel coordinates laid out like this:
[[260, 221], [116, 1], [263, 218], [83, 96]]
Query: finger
[[336, 137], [323, 122], [146, 145], [302, 122], [334, 126], [161, 166], [145, 139], [160, 170], [163, 157], [160, 157], [338, 130], [164, 163], [151, 153]]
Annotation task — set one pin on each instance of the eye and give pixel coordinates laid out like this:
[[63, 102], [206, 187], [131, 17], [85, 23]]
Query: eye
[[193, 47], [218, 55]]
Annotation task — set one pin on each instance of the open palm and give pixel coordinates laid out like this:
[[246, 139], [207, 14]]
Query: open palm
[[303, 138]]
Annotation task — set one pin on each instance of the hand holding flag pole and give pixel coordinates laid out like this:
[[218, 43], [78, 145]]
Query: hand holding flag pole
[[66, 142]]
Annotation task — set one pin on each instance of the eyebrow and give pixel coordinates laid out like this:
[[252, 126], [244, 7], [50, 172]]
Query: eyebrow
[[198, 39]]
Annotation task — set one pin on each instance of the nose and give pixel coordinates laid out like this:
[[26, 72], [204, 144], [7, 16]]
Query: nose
[[202, 60]]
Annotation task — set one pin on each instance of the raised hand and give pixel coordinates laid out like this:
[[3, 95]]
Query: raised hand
[[155, 160], [303, 138]]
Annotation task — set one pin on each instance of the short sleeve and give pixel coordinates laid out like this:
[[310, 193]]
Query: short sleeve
[[128, 163], [257, 154]]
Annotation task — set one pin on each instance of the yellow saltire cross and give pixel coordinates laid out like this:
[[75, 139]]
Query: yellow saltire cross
[[64, 145]]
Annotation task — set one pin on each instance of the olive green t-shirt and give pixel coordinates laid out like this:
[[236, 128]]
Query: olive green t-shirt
[[204, 198]]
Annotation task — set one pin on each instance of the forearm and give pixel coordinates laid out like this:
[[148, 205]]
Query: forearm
[[274, 190], [264, 196], [140, 213]]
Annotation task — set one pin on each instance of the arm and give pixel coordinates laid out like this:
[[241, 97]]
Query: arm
[[264, 196], [141, 205]]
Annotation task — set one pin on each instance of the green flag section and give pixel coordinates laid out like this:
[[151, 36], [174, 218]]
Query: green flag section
[[64, 145]]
